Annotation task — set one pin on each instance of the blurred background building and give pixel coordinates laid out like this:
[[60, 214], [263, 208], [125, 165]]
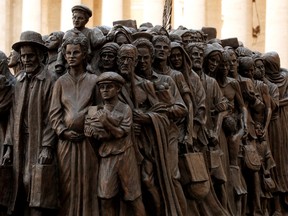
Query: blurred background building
[[261, 25]]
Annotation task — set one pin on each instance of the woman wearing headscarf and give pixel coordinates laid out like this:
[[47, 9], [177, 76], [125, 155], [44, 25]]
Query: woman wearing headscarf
[[122, 34], [108, 57], [278, 135], [179, 60]]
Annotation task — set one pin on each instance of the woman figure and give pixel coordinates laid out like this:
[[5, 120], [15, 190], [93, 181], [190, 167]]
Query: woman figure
[[212, 58], [73, 93], [122, 34], [278, 128], [108, 57], [180, 61]]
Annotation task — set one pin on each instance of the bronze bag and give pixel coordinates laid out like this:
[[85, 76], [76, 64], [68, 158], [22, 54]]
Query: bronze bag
[[44, 188], [251, 157], [194, 175], [6, 175], [269, 184], [216, 167]]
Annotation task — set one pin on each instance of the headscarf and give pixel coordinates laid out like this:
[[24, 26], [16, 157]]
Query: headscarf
[[117, 29], [272, 67], [109, 47], [214, 48], [243, 52]]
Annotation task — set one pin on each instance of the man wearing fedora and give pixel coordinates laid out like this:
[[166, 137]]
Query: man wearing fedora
[[31, 140]]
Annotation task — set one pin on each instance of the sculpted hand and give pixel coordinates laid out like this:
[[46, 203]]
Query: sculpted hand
[[7, 158], [45, 156], [263, 134], [72, 135], [188, 141], [140, 117], [213, 139], [103, 118], [101, 115], [88, 131], [220, 107], [266, 173]]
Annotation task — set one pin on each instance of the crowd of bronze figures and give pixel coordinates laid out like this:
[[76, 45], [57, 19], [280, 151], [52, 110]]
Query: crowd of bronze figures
[[127, 120]]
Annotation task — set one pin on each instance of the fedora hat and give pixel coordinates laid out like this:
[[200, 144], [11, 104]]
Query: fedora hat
[[30, 38]]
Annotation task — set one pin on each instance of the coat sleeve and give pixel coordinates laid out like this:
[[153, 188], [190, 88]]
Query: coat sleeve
[[56, 111], [48, 134]]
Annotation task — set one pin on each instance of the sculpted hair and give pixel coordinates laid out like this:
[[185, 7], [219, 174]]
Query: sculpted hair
[[83, 41], [144, 43], [230, 51], [190, 46], [127, 46], [244, 63], [225, 56], [59, 35], [160, 38]]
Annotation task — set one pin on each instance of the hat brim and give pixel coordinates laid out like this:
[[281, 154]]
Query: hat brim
[[16, 46]]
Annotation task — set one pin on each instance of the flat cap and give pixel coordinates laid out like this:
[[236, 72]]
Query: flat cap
[[82, 8], [110, 77]]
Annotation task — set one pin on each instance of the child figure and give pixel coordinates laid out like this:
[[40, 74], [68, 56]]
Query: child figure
[[267, 161], [234, 140], [111, 124]]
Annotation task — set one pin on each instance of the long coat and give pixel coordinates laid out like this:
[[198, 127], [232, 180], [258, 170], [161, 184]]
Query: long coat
[[40, 132]]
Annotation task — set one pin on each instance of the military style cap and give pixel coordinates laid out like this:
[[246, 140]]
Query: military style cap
[[30, 38], [82, 8], [110, 76]]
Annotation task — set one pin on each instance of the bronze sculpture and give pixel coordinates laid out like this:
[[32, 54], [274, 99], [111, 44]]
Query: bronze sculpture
[[80, 17], [107, 58], [31, 138], [14, 62], [173, 109], [112, 125], [274, 74], [73, 93], [156, 166], [53, 43]]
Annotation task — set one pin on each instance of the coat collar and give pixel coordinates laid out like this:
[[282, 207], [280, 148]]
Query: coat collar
[[40, 76]]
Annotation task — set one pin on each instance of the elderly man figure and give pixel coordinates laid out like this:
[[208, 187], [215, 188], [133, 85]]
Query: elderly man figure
[[32, 139]]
